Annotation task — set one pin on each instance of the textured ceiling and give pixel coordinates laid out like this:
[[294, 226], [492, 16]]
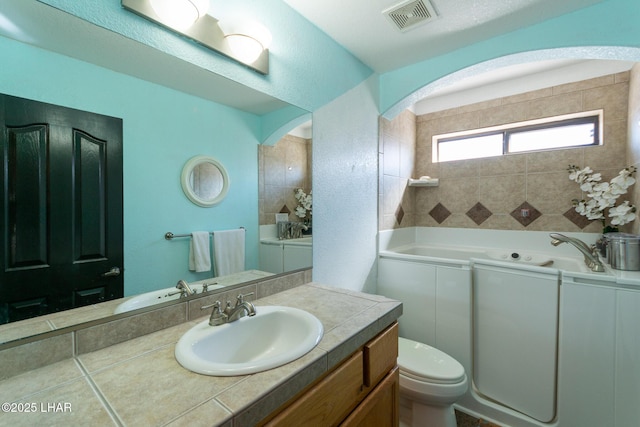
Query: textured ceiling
[[361, 28]]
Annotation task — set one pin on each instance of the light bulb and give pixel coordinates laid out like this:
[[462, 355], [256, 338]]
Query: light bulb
[[247, 39], [245, 48], [180, 14]]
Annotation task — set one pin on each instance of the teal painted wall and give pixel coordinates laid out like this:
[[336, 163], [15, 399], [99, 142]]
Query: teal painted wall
[[162, 130], [307, 68]]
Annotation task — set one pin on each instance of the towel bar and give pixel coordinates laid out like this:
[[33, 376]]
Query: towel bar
[[169, 235]]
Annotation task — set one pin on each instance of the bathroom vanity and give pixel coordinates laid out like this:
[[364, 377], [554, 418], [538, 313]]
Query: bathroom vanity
[[363, 390], [139, 381]]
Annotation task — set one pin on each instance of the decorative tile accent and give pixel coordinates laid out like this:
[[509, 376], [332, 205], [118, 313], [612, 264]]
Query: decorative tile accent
[[531, 215], [439, 213], [576, 218], [285, 209], [399, 214], [478, 213]]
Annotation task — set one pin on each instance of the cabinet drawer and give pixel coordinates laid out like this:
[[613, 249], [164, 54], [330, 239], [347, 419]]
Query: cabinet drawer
[[328, 402], [380, 355]]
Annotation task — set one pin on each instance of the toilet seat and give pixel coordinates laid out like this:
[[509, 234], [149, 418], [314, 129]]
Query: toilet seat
[[422, 362]]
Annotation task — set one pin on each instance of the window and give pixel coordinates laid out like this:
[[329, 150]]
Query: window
[[568, 131]]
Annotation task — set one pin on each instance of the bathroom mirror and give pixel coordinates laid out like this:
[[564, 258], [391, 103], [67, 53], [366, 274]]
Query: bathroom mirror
[[154, 201], [204, 181]]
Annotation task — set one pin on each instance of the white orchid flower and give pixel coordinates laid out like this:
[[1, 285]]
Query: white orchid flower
[[622, 214], [624, 180], [602, 196]]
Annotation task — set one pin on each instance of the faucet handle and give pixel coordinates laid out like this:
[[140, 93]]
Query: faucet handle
[[240, 298], [217, 316], [215, 305]]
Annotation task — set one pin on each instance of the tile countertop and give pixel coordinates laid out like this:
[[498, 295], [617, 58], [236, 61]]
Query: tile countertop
[[139, 382]]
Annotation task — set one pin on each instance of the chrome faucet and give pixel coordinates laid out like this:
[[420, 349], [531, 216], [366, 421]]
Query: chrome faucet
[[290, 230], [241, 308], [185, 288], [230, 314], [590, 252]]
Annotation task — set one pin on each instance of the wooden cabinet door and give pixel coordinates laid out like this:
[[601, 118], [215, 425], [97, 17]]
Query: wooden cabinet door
[[381, 407], [329, 401]]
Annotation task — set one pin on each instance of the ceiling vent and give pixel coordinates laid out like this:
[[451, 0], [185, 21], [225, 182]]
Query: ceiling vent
[[410, 14]]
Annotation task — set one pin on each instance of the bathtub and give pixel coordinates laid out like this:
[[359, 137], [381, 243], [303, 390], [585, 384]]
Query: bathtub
[[453, 276], [467, 255], [160, 296]]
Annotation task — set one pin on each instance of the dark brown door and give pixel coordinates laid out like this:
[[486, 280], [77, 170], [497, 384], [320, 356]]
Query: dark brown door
[[61, 216]]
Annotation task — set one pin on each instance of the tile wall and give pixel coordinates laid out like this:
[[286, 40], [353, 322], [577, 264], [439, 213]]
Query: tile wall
[[397, 159], [282, 168], [490, 193], [633, 148]]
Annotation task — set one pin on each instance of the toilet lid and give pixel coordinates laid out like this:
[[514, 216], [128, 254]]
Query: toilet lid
[[423, 361]]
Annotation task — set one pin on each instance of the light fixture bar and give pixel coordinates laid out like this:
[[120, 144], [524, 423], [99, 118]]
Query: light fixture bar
[[205, 31]]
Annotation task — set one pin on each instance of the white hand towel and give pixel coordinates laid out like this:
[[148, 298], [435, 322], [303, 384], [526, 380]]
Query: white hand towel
[[228, 251], [199, 252]]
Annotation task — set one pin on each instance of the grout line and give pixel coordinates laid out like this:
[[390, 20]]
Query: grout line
[[96, 390]]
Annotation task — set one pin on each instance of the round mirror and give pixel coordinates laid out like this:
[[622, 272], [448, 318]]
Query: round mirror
[[204, 181]]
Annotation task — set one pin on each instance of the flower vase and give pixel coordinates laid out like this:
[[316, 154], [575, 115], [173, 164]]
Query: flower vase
[[601, 246], [601, 243]]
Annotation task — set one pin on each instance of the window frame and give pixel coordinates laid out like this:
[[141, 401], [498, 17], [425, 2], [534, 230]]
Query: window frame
[[594, 117]]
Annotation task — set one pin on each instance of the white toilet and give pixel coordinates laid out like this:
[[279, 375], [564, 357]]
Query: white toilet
[[430, 383]]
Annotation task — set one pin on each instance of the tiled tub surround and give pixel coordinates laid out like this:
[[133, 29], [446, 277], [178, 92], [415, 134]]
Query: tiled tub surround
[[139, 382], [485, 193]]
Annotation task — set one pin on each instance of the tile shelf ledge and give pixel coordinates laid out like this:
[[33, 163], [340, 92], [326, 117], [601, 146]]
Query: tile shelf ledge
[[424, 182]]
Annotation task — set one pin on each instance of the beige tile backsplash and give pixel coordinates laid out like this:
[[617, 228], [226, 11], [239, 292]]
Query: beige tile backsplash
[[503, 183]]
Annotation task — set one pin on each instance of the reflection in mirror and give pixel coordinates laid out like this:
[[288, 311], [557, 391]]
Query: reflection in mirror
[[285, 202], [203, 110], [204, 181]]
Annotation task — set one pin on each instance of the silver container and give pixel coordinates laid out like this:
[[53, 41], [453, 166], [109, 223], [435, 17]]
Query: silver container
[[623, 251]]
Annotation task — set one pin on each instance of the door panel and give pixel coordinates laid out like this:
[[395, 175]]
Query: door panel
[[61, 213], [89, 220], [26, 174]]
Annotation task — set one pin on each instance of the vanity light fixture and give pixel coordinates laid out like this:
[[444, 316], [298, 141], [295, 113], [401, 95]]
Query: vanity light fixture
[[244, 42], [247, 40], [180, 14]]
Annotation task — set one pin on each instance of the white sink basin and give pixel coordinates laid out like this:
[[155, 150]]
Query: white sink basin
[[273, 337]]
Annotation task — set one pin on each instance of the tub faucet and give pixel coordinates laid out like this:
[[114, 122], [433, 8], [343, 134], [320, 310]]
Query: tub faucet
[[590, 253], [290, 230]]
